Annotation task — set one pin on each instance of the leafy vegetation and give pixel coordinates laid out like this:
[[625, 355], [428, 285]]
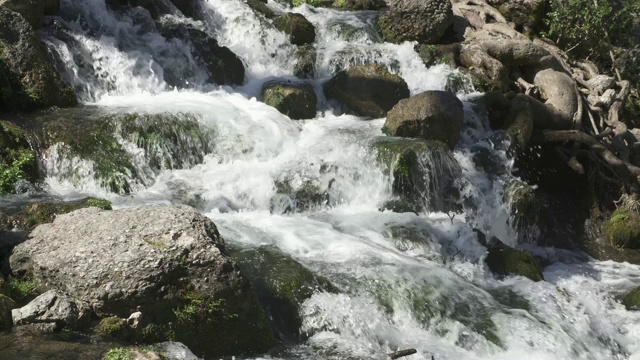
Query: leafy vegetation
[[118, 354], [22, 290]]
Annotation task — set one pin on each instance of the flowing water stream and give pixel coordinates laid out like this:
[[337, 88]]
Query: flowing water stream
[[406, 280]]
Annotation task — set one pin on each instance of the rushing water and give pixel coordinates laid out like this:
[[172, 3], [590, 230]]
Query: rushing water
[[406, 280]]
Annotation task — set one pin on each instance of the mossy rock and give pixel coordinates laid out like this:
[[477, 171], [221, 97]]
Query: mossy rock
[[296, 100], [112, 326], [632, 300], [623, 229], [423, 171], [209, 325], [314, 3], [510, 299], [261, 8], [37, 213], [306, 62], [369, 90], [358, 4], [505, 260], [305, 197], [17, 159], [432, 55], [6, 305], [169, 141], [282, 285], [299, 29]]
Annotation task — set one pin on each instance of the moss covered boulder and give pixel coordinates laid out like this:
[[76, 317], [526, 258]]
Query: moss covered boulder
[[169, 141], [431, 115], [299, 29], [260, 6], [431, 55], [33, 82], [305, 66], [296, 100], [6, 305], [505, 260], [282, 285], [17, 159], [369, 90], [423, 172], [424, 21], [632, 300], [623, 229]]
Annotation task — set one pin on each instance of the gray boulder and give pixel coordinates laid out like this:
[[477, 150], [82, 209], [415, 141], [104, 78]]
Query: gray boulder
[[168, 262], [424, 21], [33, 82], [31, 10], [431, 115], [369, 90], [296, 100], [560, 94], [55, 308]]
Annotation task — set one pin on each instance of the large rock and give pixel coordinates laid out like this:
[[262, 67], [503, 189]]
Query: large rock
[[33, 82], [31, 10], [431, 115], [167, 262], [623, 229], [424, 21], [53, 308], [632, 300], [305, 66], [369, 90], [224, 67], [296, 100], [299, 29], [561, 95]]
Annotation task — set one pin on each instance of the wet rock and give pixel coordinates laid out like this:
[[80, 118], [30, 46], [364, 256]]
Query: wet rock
[[349, 32], [33, 82], [296, 100], [306, 62], [190, 8], [224, 67], [632, 299], [424, 21], [30, 10], [282, 285], [423, 172], [314, 3], [623, 229], [440, 54], [559, 91], [53, 307], [17, 159], [51, 7], [290, 199], [505, 260], [359, 4], [299, 29], [431, 115], [261, 8], [369, 90], [169, 141], [520, 119], [6, 304], [168, 262]]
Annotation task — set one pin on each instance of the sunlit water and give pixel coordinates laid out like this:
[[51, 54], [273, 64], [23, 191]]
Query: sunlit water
[[423, 287]]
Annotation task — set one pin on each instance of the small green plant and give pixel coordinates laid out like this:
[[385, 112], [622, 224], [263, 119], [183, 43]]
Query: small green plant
[[99, 203], [156, 244], [201, 308], [22, 289], [118, 354], [13, 172]]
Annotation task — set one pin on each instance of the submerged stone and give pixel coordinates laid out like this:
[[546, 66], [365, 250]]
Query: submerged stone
[[423, 172], [505, 260], [282, 285]]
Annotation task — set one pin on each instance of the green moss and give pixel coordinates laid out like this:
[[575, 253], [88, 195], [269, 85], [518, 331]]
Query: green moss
[[99, 203], [623, 229], [505, 260], [632, 300], [316, 3], [118, 354], [38, 213], [111, 326], [358, 4], [22, 290]]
